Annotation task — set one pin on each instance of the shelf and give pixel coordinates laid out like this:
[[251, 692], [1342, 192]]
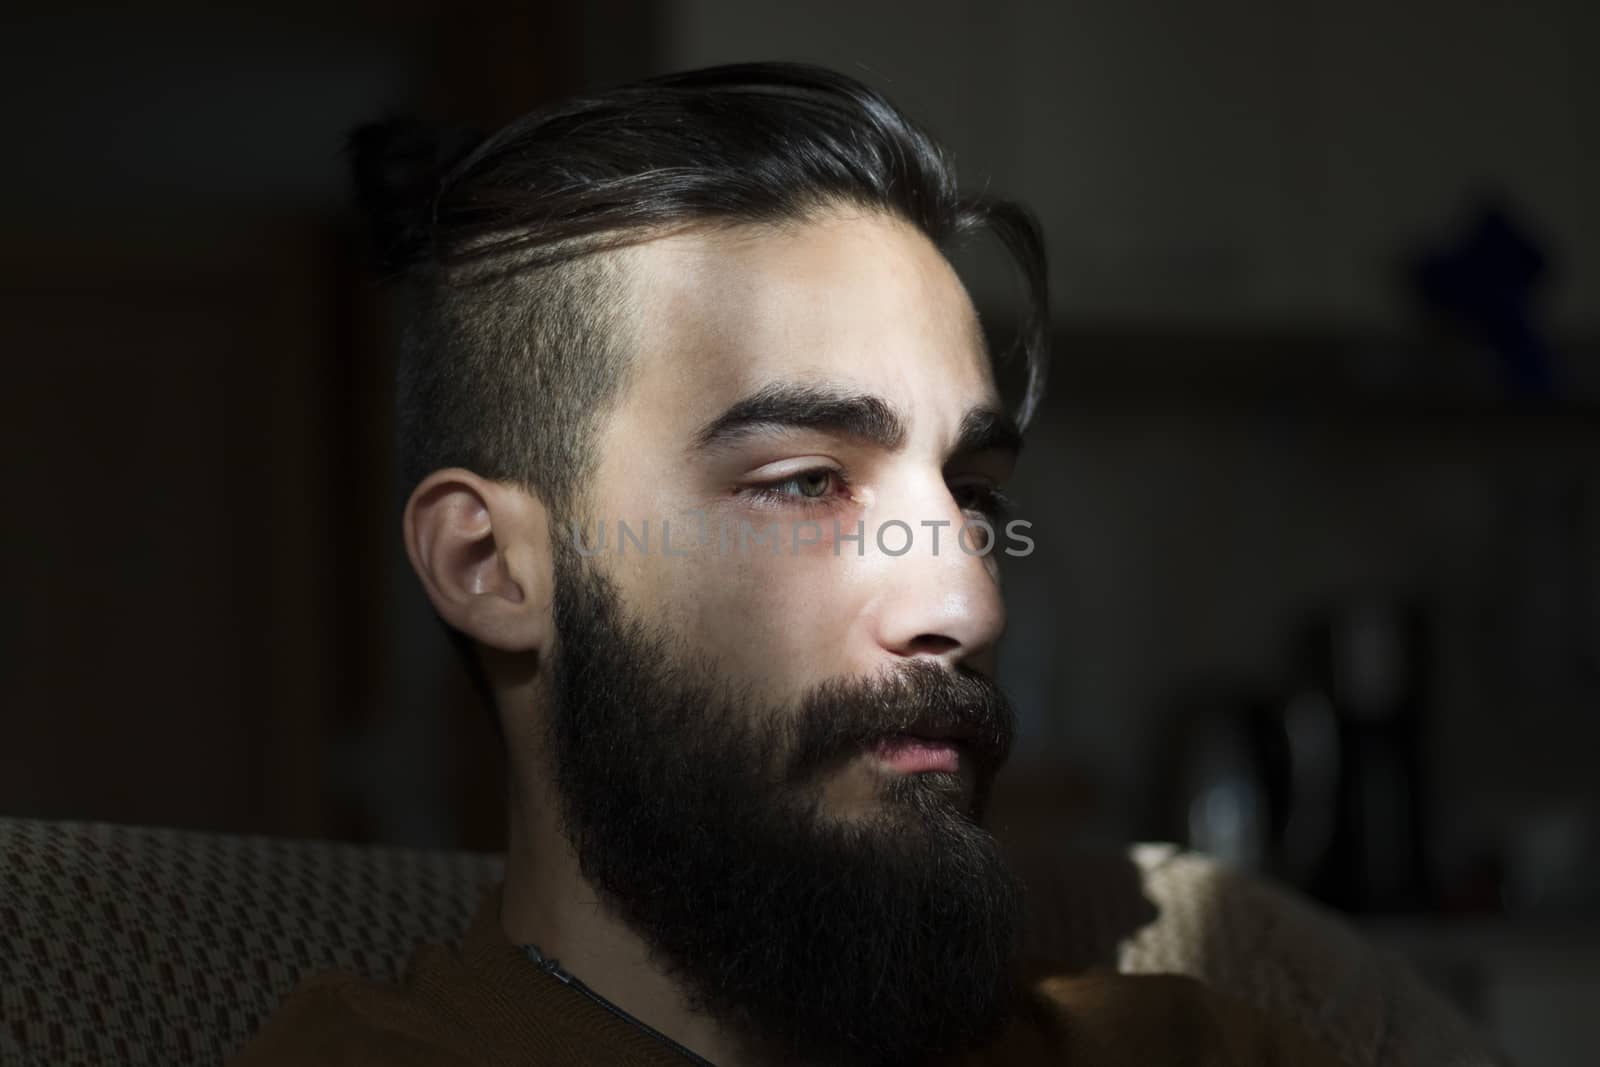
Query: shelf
[[1545, 944], [1334, 381]]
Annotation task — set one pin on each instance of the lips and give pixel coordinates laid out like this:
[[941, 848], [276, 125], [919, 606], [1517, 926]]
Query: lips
[[912, 754], [921, 718]]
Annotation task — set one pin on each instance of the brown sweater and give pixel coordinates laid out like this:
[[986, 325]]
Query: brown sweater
[[487, 1004]]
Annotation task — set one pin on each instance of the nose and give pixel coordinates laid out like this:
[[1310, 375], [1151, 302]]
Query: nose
[[940, 597]]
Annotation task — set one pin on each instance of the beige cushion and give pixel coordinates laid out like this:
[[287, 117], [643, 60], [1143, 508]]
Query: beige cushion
[[1155, 909], [126, 945]]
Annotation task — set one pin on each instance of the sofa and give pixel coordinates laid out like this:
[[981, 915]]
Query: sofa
[[134, 945]]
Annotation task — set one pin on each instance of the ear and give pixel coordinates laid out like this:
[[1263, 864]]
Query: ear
[[482, 550]]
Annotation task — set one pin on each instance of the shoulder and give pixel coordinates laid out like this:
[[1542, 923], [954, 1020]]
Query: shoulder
[[1101, 1017], [340, 1018], [1155, 909]]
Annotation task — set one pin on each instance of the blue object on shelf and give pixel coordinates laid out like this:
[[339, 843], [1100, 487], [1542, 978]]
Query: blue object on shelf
[[1485, 282]]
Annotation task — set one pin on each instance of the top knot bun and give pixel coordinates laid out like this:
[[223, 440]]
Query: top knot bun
[[398, 165]]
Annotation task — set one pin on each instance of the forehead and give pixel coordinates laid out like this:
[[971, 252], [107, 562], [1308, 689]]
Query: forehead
[[857, 299]]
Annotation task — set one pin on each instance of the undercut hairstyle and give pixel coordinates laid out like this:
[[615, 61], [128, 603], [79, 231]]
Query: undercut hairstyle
[[514, 326]]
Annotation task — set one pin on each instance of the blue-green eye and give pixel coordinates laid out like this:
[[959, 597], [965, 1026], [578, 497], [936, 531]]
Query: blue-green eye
[[812, 484], [804, 488]]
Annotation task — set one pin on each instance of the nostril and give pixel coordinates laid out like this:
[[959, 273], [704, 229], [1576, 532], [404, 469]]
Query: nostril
[[931, 644]]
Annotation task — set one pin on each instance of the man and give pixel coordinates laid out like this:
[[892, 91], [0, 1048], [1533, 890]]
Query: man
[[707, 457]]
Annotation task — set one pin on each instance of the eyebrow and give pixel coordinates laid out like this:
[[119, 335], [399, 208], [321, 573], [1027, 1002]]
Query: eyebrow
[[987, 429], [863, 416]]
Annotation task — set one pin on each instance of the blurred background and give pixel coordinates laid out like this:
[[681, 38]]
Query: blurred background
[[1316, 494]]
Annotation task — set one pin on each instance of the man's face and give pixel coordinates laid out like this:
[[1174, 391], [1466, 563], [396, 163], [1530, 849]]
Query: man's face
[[860, 310], [771, 765]]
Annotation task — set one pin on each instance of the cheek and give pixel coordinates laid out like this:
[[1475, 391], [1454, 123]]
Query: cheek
[[782, 621]]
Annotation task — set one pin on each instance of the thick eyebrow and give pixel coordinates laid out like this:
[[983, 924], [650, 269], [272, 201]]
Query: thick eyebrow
[[807, 407], [986, 429], [859, 415]]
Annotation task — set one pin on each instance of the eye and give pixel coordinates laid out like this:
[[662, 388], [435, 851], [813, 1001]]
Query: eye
[[987, 500], [810, 484], [805, 488]]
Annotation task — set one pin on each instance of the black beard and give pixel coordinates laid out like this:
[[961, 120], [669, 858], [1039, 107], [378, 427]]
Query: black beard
[[694, 813]]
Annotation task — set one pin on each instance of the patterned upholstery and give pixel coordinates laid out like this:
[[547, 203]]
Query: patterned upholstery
[[124, 945], [121, 945]]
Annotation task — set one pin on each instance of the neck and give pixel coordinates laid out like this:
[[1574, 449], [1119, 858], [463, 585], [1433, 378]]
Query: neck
[[547, 903]]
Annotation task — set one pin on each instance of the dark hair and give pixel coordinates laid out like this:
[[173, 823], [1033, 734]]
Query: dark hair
[[512, 343]]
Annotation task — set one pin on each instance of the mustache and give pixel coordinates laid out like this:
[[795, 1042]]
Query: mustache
[[840, 717]]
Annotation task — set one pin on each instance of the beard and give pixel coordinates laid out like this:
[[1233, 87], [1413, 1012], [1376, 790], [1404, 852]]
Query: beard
[[695, 813]]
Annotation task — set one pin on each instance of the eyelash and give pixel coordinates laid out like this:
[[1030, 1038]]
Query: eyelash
[[993, 504]]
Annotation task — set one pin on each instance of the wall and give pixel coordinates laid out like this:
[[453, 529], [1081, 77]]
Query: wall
[[1241, 159]]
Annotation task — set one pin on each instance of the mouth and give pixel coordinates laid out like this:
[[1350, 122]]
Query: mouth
[[923, 751]]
